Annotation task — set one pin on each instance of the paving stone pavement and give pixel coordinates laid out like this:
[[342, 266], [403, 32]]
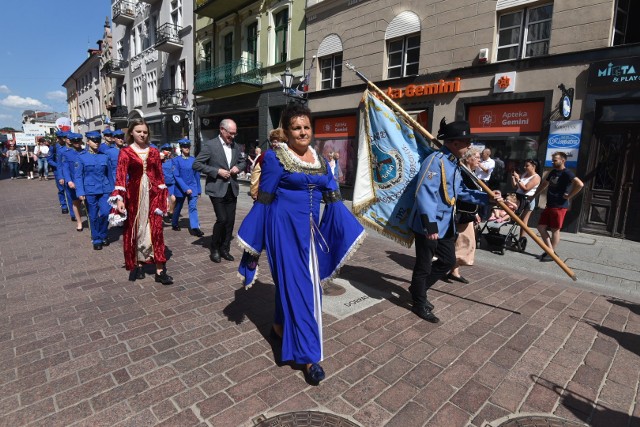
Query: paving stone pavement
[[83, 346]]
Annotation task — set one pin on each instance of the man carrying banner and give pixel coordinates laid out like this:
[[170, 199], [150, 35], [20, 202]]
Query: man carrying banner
[[433, 216]]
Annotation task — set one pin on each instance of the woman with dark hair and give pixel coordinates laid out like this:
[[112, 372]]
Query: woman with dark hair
[[302, 250], [140, 203], [526, 185]]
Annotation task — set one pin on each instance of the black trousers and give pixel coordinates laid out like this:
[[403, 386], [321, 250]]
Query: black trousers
[[426, 272], [225, 209]]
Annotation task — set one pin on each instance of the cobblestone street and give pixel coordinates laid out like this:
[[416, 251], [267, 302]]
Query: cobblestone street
[[83, 346]]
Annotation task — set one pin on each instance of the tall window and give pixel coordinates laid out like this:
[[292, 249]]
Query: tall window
[[228, 48], [176, 12], [137, 91], [281, 27], [252, 43], [120, 49], [206, 48], [152, 87], [627, 14], [403, 56], [524, 33], [331, 71]]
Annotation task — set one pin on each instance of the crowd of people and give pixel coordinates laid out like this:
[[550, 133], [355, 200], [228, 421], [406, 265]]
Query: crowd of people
[[122, 180]]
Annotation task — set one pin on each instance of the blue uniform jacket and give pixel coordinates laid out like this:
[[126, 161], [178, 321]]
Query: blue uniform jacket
[[92, 174], [167, 168], [432, 213], [69, 159], [186, 177], [53, 159]]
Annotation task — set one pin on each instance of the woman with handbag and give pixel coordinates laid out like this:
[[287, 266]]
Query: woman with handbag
[[466, 219]]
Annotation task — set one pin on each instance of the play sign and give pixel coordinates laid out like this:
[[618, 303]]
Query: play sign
[[564, 136]]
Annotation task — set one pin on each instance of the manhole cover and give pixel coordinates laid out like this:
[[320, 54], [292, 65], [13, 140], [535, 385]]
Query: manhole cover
[[539, 421], [332, 289], [306, 418]]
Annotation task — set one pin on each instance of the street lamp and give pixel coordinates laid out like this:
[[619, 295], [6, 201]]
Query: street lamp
[[287, 81]]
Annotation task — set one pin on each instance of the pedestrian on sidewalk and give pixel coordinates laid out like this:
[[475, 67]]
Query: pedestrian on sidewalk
[[276, 136], [187, 188], [221, 160], [432, 218], [13, 158], [301, 250], [562, 185], [42, 153], [526, 186], [139, 202]]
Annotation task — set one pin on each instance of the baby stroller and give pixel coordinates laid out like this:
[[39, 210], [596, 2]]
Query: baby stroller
[[495, 240]]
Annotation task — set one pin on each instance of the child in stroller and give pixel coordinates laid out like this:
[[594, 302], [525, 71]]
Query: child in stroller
[[496, 241]]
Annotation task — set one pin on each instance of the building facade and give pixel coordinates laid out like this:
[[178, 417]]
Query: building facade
[[150, 66], [242, 49], [532, 77]]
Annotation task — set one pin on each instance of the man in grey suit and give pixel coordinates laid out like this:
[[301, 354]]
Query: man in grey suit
[[221, 161]]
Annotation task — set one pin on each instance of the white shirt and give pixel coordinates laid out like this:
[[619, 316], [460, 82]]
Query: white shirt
[[489, 165], [227, 152], [41, 150]]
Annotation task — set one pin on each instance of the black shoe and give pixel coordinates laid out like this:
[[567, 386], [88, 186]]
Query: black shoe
[[425, 314], [544, 257], [73, 219], [97, 247], [314, 374], [215, 256], [65, 211], [176, 228], [429, 305], [167, 219], [79, 229], [458, 279], [105, 243], [196, 232], [227, 256], [140, 273], [164, 278]]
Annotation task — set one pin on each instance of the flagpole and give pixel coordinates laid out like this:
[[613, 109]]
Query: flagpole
[[478, 181]]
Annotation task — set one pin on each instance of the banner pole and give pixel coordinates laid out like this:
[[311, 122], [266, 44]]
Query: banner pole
[[390, 102]]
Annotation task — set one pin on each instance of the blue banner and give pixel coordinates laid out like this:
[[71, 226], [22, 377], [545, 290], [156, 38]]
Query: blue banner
[[389, 158]]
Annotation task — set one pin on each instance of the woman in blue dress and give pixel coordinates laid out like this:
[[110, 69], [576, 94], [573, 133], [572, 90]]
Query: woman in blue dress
[[302, 250]]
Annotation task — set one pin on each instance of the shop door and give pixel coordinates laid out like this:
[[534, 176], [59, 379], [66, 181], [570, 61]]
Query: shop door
[[613, 185]]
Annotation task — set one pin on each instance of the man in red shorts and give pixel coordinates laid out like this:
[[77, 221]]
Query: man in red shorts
[[562, 186]]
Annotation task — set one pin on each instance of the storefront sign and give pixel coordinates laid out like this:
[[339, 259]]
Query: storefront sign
[[335, 127], [615, 74], [504, 82], [519, 117], [564, 136], [411, 91]]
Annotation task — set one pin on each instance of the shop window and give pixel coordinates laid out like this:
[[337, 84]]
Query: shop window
[[403, 55], [524, 33], [334, 140], [281, 29], [624, 32], [331, 71]]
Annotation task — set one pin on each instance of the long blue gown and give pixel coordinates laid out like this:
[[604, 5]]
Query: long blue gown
[[302, 252]]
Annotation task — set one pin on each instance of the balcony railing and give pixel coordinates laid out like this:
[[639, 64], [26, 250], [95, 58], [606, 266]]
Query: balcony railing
[[168, 37], [173, 99], [115, 68], [241, 71], [124, 12], [118, 112]]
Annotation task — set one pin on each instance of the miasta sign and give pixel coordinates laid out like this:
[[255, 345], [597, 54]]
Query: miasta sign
[[621, 73]]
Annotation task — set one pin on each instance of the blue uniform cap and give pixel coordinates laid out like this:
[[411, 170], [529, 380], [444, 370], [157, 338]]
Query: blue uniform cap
[[93, 135], [184, 142], [107, 132], [166, 147], [74, 136], [60, 134], [118, 133]]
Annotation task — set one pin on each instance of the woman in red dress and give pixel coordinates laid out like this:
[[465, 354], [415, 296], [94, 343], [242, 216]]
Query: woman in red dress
[[139, 202]]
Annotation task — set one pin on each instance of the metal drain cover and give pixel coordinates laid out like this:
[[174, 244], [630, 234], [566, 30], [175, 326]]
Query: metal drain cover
[[539, 421], [306, 419]]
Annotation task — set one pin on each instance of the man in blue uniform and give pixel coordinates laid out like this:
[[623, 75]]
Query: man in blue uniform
[[166, 154], [187, 187], [69, 158], [118, 138], [92, 179], [112, 152], [107, 136], [55, 160], [433, 216]]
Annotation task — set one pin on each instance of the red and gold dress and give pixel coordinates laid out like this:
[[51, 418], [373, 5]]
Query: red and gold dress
[[140, 185]]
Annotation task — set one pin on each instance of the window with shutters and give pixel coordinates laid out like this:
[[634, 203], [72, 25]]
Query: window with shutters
[[403, 55], [524, 33]]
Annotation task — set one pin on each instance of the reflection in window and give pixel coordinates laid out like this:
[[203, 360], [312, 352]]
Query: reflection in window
[[524, 33], [403, 56]]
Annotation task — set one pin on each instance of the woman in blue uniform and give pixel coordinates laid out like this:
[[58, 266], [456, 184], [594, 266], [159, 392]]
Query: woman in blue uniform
[[92, 179], [69, 159], [302, 250], [188, 188]]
